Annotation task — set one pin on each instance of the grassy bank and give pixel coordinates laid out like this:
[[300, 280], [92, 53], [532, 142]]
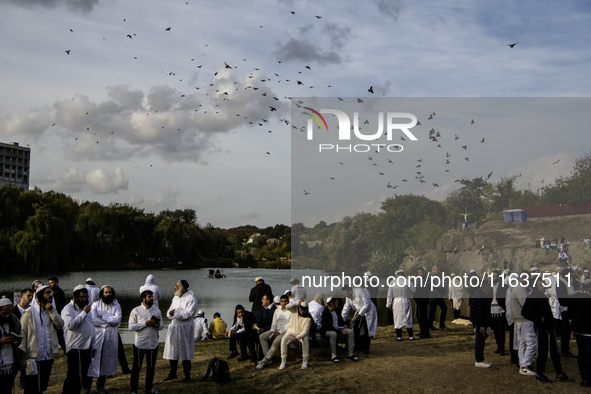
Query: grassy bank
[[444, 363]]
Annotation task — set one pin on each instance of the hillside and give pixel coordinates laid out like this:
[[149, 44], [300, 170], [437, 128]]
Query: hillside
[[516, 242]]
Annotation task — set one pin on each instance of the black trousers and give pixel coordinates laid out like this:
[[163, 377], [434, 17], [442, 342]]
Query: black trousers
[[186, 367], [246, 341], [565, 335], [362, 341], [547, 338], [121, 356], [499, 326], [38, 383], [7, 382], [138, 359], [512, 352], [423, 316], [433, 304], [77, 375]]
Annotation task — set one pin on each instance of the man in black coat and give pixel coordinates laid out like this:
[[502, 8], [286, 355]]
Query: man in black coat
[[334, 328], [257, 293], [243, 332], [537, 309], [421, 297], [264, 320], [498, 309], [580, 315]]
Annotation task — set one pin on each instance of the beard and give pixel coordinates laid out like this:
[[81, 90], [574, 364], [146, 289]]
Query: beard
[[149, 303], [179, 293], [107, 299], [81, 303]]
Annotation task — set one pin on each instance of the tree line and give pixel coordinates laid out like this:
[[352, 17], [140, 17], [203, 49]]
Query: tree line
[[52, 232], [411, 224]]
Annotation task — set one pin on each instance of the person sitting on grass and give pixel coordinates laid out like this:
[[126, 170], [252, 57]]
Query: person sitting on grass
[[334, 328], [217, 328]]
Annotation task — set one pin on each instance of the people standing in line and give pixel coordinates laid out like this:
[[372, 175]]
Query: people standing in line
[[39, 330], [80, 342], [10, 356], [146, 321], [217, 328], [93, 291], [537, 309], [398, 301], [421, 298], [25, 302], [436, 292], [180, 342], [256, 294], [298, 331], [106, 317], [279, 326]]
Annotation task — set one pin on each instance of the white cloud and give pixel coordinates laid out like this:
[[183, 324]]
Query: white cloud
[[103, 183]]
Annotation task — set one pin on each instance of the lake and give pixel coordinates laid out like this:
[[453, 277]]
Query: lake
[[213, 295]]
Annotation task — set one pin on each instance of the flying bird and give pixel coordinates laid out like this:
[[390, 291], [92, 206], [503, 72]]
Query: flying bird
[[552, 163], [370, 89], [318, 17], [268, 153], [227, 65], [68, 51], [482, 141], [512, 45], [272, 108], [472, 122], [167, 29], [305, 192]]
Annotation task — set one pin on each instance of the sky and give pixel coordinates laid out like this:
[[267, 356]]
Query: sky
[[186, 104]]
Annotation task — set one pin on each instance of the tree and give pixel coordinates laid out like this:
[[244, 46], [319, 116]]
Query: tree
[[579, 183]]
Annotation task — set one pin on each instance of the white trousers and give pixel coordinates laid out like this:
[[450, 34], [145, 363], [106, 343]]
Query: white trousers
[[285, 344], [269, 352], [332, 337], [526, 343]]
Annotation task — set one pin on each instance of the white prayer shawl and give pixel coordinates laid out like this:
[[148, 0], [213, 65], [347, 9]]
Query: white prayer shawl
[[316, 309], [456, 294], [554, 303], [361, 303], [93, 294], [150, 285], [180, 341], [200, 328], [399, 299], [508, 314], [106, 319]]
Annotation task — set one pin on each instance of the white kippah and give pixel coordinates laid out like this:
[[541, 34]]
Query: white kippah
[[4, 301], [79, 287], [40, 288]]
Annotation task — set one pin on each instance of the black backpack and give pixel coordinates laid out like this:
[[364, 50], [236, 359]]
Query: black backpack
[[220, 372]]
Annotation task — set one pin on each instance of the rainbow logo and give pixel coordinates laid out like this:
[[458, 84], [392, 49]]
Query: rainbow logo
[[315, 118]]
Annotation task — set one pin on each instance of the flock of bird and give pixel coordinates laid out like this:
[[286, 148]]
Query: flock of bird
[[258, 83]]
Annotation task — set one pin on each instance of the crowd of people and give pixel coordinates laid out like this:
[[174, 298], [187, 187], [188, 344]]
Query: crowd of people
[[85, 324]]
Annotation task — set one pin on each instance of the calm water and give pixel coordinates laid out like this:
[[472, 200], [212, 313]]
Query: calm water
[[213, 295]]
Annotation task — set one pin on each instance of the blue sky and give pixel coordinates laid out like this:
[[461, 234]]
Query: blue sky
[[164, 144]]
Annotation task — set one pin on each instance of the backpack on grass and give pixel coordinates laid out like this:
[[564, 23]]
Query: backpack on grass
[[219, 370]]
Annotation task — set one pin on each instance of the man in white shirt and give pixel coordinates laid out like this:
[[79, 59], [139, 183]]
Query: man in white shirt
[[279, 326], [298, 292], [39, 324], [146, 321], [80, 342], [106, 317], [180, 342]]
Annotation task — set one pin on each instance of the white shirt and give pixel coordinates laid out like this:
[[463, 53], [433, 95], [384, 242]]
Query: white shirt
[[280, 322], [238, 324], [146, 337], [315, 309], [78, 328]]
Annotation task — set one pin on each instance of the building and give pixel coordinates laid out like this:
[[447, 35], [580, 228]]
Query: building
[[15, 162]]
